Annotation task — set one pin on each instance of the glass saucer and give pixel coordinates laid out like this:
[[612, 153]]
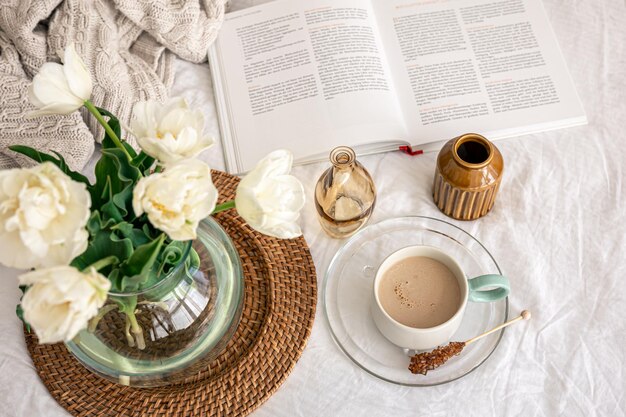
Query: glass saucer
[[347, 294]]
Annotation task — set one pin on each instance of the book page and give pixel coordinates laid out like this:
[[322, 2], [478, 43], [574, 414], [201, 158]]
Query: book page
[[483, 66], [302, 75]]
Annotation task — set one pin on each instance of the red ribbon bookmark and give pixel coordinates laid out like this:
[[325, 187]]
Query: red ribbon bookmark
[[409, 151]]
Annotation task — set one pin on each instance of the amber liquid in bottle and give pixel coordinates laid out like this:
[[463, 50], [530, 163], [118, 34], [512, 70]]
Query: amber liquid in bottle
[[345, 195]]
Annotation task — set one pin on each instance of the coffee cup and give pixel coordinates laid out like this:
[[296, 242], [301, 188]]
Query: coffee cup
[[484, 288]]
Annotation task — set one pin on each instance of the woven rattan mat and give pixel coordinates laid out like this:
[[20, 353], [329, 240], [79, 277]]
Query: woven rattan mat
[[279, 307]]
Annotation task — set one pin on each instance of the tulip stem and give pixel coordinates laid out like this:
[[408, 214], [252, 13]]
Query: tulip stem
[[129, 338], [224, 206], [93, 323], [99, 264], [116, 140], [136, 330]]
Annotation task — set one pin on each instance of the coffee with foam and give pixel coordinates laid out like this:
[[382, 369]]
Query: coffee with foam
[[419, 292]]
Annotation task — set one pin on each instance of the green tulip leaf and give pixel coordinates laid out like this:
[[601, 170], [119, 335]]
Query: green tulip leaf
[[124, 200], [150, 231], [114, 124], [20, 314], [143, 162], [151, 278], [126, 171], [95, 223], [105, 243], [44, 157], [173, 253], [20, 311], [192, 263], [137, 268], [128, 230], [107, 181], [112, 211], [113, 121], [116, 279], [126, 305], [115, 180], [143, 257]]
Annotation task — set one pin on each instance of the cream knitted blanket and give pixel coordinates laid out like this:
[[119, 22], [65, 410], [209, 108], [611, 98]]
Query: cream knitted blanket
[[128, 45]]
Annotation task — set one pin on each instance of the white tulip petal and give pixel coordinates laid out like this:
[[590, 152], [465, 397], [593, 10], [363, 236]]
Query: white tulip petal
[[189, 143], [42, 217], [172, 122], [270, 200], [52, 109], [176, 199], [51, 86], [12, 181], [276, 163], [14, 254], [155, 149], [60, 89], [172, 104], [61, 300], [77, 74], [186, 232], [138, 194], [206, 205], [196, 118], [186, 139], [32, 97], [35, 243], [33, 277], [283, 230], [285, 192], [169, 132], [143, 122], [67, 250]]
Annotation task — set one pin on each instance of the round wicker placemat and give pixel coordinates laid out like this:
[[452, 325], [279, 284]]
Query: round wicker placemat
[[279, 307]]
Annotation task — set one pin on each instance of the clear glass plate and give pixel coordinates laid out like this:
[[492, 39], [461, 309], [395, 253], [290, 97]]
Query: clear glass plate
[[347, 293]]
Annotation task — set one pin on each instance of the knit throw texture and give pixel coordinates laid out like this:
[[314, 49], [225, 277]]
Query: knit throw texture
[[128, 46]]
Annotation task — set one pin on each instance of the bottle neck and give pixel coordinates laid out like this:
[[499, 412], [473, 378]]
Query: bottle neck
[[342, 157]]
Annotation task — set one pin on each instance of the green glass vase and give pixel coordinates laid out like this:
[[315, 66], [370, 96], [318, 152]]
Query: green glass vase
[[184, 321]]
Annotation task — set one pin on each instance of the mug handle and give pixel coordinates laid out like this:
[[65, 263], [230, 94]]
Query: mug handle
[[500, 284]]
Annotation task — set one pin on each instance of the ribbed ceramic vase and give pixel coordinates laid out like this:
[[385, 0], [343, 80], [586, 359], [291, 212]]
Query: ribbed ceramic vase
[[467, 178]]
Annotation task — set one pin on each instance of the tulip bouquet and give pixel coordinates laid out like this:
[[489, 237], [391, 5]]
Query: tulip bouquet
[[126, 230]]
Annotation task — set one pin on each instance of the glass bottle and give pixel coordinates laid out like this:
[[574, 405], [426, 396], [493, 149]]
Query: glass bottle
[[345, 194]]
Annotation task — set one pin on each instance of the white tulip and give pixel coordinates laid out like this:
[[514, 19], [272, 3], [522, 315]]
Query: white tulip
[[43, 214], [169, 132], [60, 89], [176, 199], [269, 199], [61, 300]]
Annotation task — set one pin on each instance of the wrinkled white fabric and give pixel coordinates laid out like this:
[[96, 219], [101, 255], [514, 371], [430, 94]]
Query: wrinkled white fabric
[[558, 230]]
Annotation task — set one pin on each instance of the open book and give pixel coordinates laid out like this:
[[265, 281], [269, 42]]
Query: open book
[[309, 75]]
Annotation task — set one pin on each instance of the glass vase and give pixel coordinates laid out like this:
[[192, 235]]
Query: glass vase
[[179, 324], [345, 194]]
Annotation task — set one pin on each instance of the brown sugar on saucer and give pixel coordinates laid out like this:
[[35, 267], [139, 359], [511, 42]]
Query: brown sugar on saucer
[[423, 362]]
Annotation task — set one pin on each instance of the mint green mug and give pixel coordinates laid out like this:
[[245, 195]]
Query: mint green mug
[[483, 289]]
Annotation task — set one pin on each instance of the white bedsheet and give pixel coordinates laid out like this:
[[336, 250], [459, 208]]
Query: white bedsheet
[[558, 230]]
